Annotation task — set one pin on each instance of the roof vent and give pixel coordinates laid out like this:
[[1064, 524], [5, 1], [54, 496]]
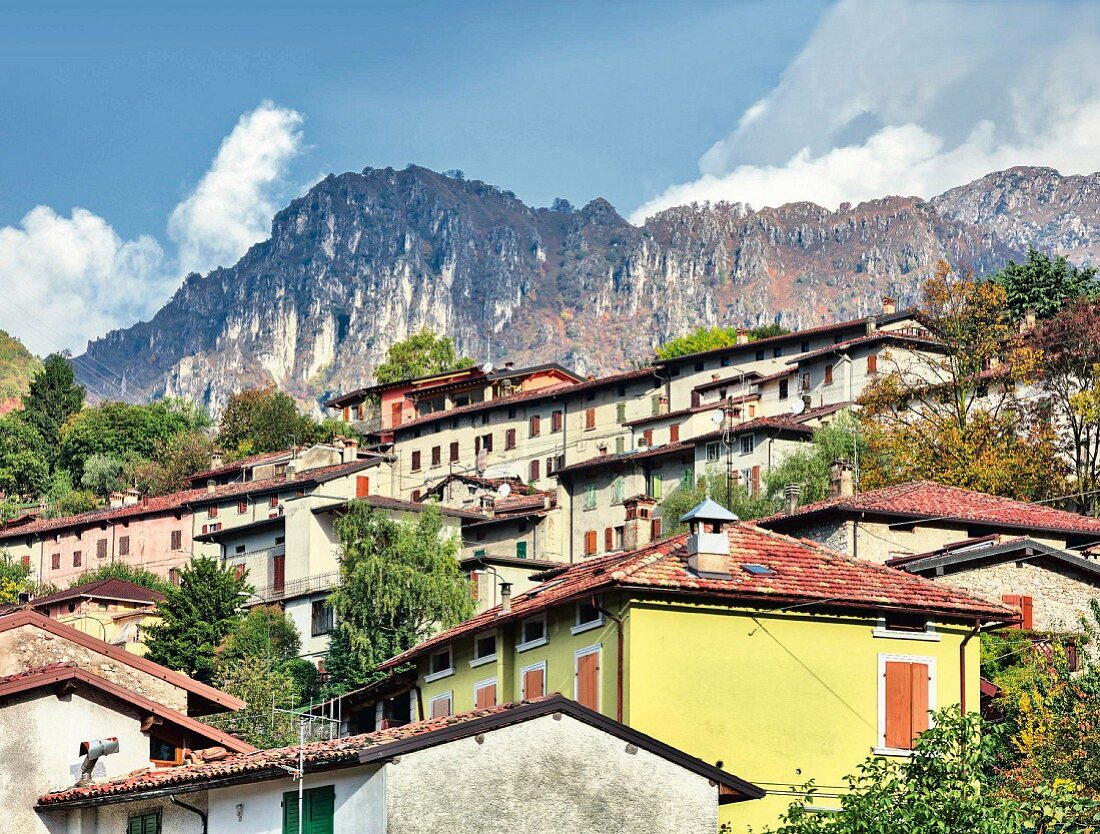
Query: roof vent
[[889, 305], [708, 546]]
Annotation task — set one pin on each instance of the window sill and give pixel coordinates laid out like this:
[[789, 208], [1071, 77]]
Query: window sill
[[481, 661], [922, 636], [534, 644], [891, 751], [583, 627], [435, 676]]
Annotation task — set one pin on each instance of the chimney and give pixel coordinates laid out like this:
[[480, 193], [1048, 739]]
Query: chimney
[[708, 546], [217, 459], [889, 305], [350, 451], [840, 480], [872, 325], [291, 470], [793, 494], [505, 597], [116, 500], [742, 335], [662, 404], [211, 485], [638, 529], [130, 497], [546, 501], [509, 365]]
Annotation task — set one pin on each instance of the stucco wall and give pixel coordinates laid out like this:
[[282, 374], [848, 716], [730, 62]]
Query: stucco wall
[[545, 775], [1059, 593], [40, 737], [28, 647], [878, 541]]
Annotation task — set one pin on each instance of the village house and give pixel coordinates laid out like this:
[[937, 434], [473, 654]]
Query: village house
[[922, 516], [162, 533], [380, 408], [1052, 588], [855, 654], [113, 609], [549, 765]]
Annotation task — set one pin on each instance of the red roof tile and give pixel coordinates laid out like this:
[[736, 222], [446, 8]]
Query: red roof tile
[[113, 589], [929, 500], [241, 463], [897, 336], [803, 572], [376, 746]]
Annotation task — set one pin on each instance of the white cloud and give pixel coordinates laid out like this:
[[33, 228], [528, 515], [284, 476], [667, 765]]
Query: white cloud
[[912, 97], [231, 207], [64, 280]]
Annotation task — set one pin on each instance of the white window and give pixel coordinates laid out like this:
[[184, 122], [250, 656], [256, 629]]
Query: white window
[[714, 451], [532, 633], [906, 698], [588, 616], [439, 665], [485, 649], [748, 444], [906, 627]]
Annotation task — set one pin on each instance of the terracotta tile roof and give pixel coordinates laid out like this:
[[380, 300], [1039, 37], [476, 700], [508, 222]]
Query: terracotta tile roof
[[929, 500], [241, 463], [375, 747], [113, 589], [177, 501], [550, 392], [399, 504], [202, 699], [897, 336], [803, 572], [51, 675]]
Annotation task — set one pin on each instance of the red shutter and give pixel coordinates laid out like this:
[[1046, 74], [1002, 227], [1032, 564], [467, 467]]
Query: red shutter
[[588, 680], [608, 539], [415, 461], [555, 421], [395, 414], [906, 703], [486, 697], [238, 571], [655, 528], [1016, 601], [756, 480], [509, 440], [872, 364], [590, 418], [534, 684], [674, 433], [648, 435], [362, 486], [536, 426], [278, 568]]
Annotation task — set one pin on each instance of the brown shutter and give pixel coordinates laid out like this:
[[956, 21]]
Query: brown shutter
[[648, 435], [756, 480], [437, 455], [395, 414], [1012, 601], [486, 697], [608, 539], [555, 421], [454, 452], [441, 708], [590, 418], [415, 461], [655, 528], [534, 684], [1025, 610], [588, 680], [589, 542], [872, 364], [534, 470], [674, 433], [906, 703], [278, 568], [509, 439], [362, 486]]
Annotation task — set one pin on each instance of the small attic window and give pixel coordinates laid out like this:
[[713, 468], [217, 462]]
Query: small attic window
[[758, 570]]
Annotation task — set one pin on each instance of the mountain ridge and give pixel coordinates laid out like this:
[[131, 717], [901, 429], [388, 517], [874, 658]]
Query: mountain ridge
[[363, 259]]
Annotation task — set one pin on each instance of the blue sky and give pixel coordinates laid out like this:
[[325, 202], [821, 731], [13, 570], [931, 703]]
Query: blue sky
[[141, 142], [120, 110]]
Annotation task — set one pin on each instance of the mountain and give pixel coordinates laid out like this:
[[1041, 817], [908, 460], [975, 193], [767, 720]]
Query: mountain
[[17, 366], [362, 260]]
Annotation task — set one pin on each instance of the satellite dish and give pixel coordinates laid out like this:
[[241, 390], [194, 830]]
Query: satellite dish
[[798, 406], [504, 490], [717, 416], [487, 367]]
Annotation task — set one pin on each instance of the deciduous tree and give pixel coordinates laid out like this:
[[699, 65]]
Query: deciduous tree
[[421, 354], [258, 420], [1042, 285], [399, 580]]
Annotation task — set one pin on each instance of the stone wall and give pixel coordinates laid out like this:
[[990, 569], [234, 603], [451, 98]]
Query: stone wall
[[29, 647], [1059, 593]]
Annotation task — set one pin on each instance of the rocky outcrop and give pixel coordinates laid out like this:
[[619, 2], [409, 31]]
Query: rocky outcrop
[[363, 260]]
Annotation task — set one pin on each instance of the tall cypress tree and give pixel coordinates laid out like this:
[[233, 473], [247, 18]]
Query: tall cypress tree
[[53, 397]]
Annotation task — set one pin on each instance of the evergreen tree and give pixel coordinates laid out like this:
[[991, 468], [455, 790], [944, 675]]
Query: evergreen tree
[[127, 573], [196, 617], [1042, 284], [53, 397]]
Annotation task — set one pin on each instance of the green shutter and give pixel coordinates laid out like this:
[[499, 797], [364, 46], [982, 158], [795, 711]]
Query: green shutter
[[150, 824], [290, 812], [620, 445], [134, 826], [521, 550], [620, 412], [321, 802]]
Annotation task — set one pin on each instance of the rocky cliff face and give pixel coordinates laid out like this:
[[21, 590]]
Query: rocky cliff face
[[363, 260]]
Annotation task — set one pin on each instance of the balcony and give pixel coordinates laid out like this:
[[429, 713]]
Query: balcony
[[300, 587]]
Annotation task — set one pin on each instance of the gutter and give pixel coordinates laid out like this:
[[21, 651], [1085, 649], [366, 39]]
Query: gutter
[[202, 814]]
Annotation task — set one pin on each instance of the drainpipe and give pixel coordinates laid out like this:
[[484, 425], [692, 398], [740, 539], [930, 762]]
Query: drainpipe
[[191, 808], [962, 664], [618, 657]]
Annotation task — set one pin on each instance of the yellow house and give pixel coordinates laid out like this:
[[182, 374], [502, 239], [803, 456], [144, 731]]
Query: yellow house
[[775, 658]]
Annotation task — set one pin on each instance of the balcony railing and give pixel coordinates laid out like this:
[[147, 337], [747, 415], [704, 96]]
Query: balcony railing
[[299, 587]]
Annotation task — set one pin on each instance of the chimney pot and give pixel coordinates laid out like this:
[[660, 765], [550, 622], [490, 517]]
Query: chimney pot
[[872, 325], [217, 459], [889, 305], [116, 500], [793, 494], [505, 597], [131, 496], [742, 335], [840, 480], [211, 485]]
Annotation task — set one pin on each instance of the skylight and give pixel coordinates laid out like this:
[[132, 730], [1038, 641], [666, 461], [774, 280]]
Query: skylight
[[758, 570]]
